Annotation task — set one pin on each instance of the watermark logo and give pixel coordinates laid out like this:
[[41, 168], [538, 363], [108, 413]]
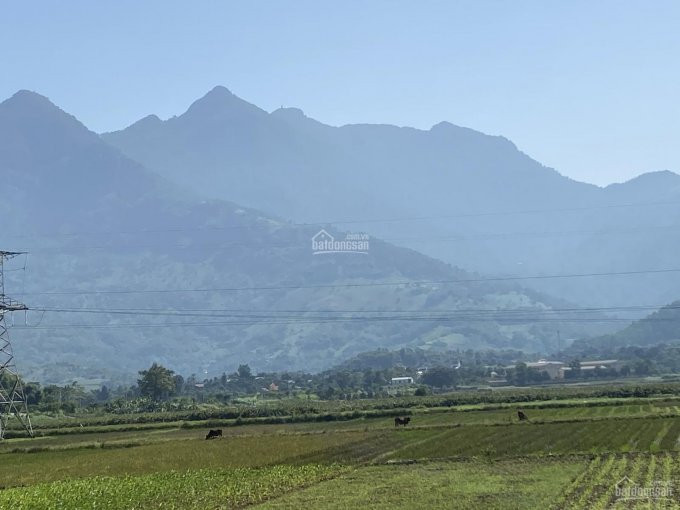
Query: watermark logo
[[627, 490], [323, 243]]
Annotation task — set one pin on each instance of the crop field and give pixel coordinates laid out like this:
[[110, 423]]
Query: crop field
[[620, 435], [187, 490], [572, 453], [504, 484], [243, 451], [626, 481]]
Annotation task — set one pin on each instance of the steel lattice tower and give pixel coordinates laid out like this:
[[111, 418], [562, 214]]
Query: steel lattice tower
[[12, 397]]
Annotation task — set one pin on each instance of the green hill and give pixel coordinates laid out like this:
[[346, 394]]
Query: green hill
[[662, 326]]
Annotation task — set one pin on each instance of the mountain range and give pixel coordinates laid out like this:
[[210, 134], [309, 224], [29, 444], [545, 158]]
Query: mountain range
[[131, 262], [450, 192]]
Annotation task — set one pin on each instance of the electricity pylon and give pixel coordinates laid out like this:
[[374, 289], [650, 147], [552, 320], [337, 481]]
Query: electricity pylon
[[12, 397]]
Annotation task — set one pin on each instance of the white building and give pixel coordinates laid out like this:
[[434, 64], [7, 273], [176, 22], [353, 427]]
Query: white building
[[552, 368], [401, 381]]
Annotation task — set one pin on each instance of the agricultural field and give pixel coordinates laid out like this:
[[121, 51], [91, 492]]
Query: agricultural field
[[509, 484], [197, 489], [586, 452]]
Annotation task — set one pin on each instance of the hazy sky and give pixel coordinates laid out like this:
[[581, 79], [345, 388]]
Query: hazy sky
[[591, 88]]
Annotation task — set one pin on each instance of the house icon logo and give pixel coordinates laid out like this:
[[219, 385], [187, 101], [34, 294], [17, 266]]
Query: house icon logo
[[324, 243], [321, 236], [624, 482]]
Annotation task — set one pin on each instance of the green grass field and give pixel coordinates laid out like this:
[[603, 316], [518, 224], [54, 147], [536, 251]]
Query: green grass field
[[571, 454], [503, 484]]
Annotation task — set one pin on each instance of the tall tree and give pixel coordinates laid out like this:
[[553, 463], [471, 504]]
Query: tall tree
[[157, 382], [244, 372]]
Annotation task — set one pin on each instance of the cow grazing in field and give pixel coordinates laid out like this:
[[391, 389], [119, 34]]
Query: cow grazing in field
[[214, 434], [401, 421], [522, 416]]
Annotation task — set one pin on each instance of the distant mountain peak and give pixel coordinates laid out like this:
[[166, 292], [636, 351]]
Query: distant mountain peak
[[28, 110], [218, 91], [444, 125], [152, 118], [217, 96], [148, 121], [289, 113], [660, 179], [220, 101], [27, 99], [25, 94], [658, 175]]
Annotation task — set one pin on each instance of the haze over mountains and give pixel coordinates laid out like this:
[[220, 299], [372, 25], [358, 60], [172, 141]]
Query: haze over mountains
[[658, 327], [453, 193], [133, 268]]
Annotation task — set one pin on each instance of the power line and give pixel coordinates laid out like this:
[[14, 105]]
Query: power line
[[212, 312], [340, 320], [393, 240], [355, 285], [255, 318]]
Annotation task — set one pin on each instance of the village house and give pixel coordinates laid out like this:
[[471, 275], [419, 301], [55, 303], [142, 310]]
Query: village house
[[401, 381], [552, 368], [557, 369]]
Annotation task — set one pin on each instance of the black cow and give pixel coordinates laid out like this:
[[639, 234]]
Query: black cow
[[401, 421], [214, 434], [522, 416]]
